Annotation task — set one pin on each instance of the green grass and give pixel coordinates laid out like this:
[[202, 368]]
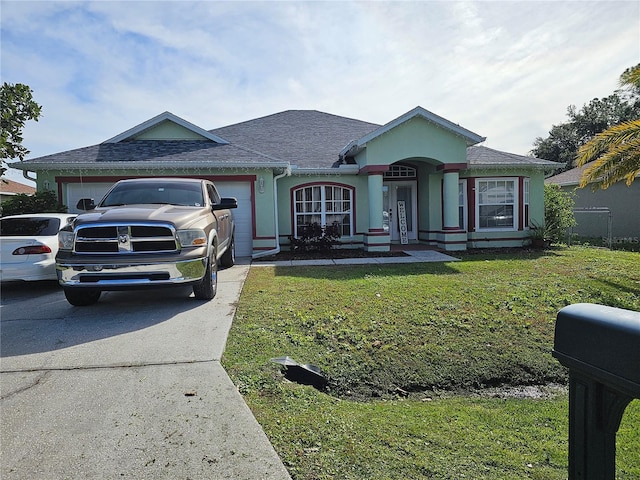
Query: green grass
[[407, 348]]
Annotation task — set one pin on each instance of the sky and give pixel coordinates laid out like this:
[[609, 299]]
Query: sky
[[506, 70]]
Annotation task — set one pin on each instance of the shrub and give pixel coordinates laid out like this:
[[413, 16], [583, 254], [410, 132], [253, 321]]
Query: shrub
[[41, 202], [315, 238], [558, 213]]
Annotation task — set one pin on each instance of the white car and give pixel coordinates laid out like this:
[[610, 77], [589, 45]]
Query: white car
[[28, 245]]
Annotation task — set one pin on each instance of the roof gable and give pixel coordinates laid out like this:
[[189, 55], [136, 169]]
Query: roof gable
[[166, 126], [469, 137]]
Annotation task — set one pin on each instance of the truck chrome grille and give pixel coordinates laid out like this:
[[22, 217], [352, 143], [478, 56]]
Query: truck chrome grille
[[131, 238]]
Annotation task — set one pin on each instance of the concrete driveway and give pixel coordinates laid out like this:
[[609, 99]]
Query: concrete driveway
[[131, 387]]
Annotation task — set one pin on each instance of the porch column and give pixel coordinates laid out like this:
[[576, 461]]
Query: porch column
[[375, 201], [450, 200], [452, 237], [376, 238]]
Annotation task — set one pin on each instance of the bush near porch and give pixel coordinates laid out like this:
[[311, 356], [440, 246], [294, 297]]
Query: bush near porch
[[432, 367]]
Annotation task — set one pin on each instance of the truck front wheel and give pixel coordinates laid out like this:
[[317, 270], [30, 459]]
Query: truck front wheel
[[206, 289], [82, 297]]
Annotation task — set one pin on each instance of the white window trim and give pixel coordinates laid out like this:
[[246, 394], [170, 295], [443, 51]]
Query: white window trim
[[462, 184], [526, 200], [323, 213], [515, 204], [400, 171]]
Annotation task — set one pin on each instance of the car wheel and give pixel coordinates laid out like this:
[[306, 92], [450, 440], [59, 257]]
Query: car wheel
[[206, 289], [228, 258], [82, 297]]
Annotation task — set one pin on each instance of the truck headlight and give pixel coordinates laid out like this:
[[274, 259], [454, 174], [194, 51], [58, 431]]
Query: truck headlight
[[193, 237], [65, 240]]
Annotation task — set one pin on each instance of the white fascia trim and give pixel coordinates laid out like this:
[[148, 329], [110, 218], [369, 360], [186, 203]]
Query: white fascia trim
[[132, 132], [145, 165], [341, 170], [489, 166], [470, 137]]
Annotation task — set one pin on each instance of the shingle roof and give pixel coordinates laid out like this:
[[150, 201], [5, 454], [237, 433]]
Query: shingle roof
[[172, 152], [301, 138], [305, 138], [570, 177], [478, 156], [9, 187]]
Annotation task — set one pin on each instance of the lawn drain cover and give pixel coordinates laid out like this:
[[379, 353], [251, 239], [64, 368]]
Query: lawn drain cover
[[304, 374]]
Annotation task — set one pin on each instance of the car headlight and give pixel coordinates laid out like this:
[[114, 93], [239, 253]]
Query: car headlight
[[193, 237], [65, 240]]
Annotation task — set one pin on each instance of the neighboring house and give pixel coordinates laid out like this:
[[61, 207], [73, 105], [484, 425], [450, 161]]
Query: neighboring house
[[595, 210], [301, 167], [10, 188]]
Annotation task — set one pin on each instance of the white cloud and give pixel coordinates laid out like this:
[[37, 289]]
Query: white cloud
[[506, 70]]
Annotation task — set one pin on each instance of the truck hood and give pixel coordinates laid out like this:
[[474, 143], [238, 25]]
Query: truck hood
[[180, 217]]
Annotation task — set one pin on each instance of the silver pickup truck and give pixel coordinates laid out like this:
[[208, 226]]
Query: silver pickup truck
[[147, 233]]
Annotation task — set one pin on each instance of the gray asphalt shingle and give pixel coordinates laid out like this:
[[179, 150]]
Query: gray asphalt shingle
[[478, 155], [306, 138]]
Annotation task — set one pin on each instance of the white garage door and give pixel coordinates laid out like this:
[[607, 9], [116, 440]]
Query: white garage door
[[240, 190], [76, 191], [241, 215]]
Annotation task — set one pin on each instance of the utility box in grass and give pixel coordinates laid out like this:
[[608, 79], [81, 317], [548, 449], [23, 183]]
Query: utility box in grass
[[600, 346]]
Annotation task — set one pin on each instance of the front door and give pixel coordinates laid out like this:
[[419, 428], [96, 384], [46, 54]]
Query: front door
[[399, 191]]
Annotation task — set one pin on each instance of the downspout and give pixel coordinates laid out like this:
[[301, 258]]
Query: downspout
[[276, 250], [25, 174]]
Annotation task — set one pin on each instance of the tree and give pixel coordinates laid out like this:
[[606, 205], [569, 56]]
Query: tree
[[560, 146], [17, 107], [565, 139], [614, 154]]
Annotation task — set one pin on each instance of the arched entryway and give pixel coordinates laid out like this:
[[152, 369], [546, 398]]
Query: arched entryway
[[400, 203]]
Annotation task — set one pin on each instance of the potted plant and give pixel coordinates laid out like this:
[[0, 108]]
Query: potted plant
[[540, 235]]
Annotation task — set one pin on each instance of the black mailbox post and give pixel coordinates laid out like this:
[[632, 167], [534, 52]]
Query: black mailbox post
[[601, 347]]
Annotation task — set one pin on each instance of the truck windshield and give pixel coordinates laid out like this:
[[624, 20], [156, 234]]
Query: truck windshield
[[184, 194]]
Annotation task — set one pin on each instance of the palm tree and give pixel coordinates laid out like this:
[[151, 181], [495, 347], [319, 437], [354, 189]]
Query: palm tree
[[614, 154]]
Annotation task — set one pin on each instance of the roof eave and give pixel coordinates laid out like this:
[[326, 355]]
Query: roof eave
[[534, 166], [341, 170], [143, 165]]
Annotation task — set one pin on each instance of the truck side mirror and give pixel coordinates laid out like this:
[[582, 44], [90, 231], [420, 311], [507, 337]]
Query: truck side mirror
[[228, 202], [85, 204]]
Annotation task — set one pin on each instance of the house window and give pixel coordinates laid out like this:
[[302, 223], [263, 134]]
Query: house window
[[400, 171], [324, 205], [462, 204], [496, 204]]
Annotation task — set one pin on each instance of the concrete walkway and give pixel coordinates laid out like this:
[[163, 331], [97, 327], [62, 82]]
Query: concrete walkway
[[412, 256]]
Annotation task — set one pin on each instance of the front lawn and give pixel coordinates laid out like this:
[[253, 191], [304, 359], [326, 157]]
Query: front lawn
[[434, 369]]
